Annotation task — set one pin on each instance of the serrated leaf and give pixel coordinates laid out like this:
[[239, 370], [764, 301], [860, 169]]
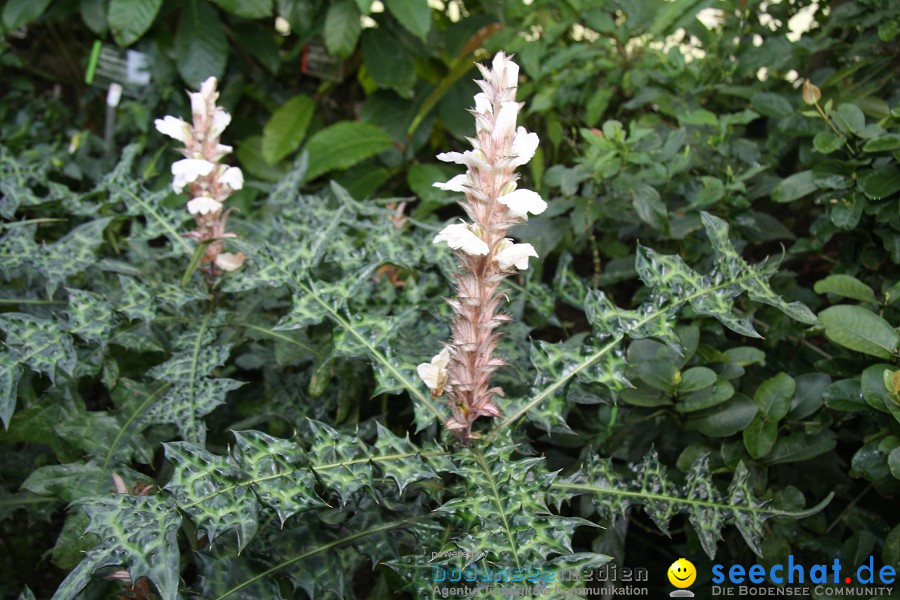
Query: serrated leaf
[[286, 128], [40, 344], [201, 49], [707, 508], [342, 27], [137, 532], [205, 486], [341, 461], [859, 329], [278, 473], [399, 460], [130, 19], [342, 145]]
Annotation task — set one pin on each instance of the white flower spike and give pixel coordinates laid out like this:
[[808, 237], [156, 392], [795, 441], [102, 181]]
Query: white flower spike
[[209, 182], [485, 254]]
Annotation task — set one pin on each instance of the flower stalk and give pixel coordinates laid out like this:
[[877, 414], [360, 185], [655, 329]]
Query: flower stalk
[[494, 204], [204, 177]]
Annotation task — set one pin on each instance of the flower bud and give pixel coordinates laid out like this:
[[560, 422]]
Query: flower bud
[[811, 92]]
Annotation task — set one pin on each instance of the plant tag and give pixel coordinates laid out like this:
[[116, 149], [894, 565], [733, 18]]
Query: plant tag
[[317, 62], [127, 68]]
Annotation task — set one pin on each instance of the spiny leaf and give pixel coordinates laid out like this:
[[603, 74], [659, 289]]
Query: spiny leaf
[[204, 486], [708, 509], [137, 532], [277, 472]]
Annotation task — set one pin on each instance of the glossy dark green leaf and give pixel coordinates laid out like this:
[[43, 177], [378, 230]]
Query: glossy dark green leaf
[[129, 20], [200, 43]]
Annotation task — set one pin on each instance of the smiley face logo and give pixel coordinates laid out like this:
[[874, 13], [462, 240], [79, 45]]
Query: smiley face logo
[[682, 573]]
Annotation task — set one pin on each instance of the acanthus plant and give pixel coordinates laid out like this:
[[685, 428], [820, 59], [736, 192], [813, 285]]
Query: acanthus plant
[[209, 182], [463, 369]]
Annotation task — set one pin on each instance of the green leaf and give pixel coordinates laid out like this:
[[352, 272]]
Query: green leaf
[[205, 488], [136, 532], [21, 12], [849, 118], [845, 286], [699, 117], [794, 187], [799, 447], [882, 182], [201, 49], [759, 436], [278, 473], [286, 128], [130, 19], [827, 142], [708, 509], [93, 13], [884, 143], [194, 395], [342, 145], [860, 329], [725, 419], [389, 64], [696, 378], [250, 9], [773, 396], [342, 27], [414, 15], [40, 344], [771, 105], [810, 394]]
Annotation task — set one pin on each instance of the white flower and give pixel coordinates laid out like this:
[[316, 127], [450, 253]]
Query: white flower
[[221, 119], [483, 104], [502, 63], [524, 146], [434, 374], [457, 184], [233, 177], [473, 159], [515, 255], [522, 202], [505, 125], [198, 105], [208, 89], [203, 205], [230, 262], [173, 127], [460, 237], [187, 171]]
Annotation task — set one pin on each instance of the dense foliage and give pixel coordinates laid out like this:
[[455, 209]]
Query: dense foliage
[[705, 360]]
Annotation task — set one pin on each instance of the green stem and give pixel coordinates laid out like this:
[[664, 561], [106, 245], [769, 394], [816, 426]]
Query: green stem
[[320, 549]]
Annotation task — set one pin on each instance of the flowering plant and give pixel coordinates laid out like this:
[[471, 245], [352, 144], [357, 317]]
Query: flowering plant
[[208, 181], [487, 256]]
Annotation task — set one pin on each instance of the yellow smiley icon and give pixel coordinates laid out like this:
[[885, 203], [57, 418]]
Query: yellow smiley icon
[[682, 573]]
